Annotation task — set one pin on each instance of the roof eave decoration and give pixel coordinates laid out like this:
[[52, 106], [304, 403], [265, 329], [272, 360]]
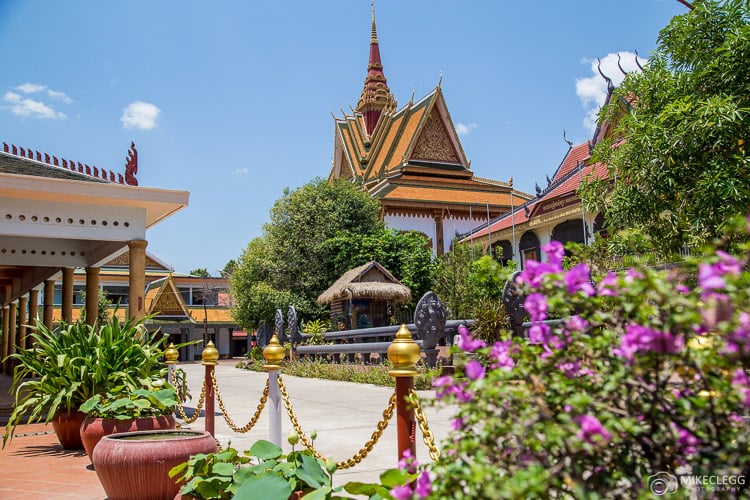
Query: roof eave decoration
[[168, 301]]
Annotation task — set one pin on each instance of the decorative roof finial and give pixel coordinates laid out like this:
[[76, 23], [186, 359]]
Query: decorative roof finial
[[565, 138], [374, 36], [625, 73], [636, 61], [610, 85]]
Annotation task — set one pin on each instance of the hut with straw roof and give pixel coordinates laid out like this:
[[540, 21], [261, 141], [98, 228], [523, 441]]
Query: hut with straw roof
[[364, 297]]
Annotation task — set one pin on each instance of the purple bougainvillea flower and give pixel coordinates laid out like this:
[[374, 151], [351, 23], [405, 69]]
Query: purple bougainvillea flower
[[423, 488], [578, 278], [687, 441], [458, 423], [592, 431], [710, 278], [474, 370], [500, 353], [443, 386], [401, 492], [728, 264], [408, 462], [642, 338], [608, 286], [534, 273], [467, 342], [555, 253], [738, 340], [539, 333], [741, 381], [536, 305], [576, 324]]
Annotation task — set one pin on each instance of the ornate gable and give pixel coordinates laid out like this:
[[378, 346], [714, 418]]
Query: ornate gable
[[433, 143], [164, 299]]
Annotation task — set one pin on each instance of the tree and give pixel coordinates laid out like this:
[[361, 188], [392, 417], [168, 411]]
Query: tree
[[200, 271], [291, 263], [405, 254], [228, 269], [682, 169]]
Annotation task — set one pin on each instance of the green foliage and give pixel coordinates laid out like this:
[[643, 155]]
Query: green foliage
[[291, 262], [405, 254], [363, 374], [682, 169], [103, 306], [201, 272], [64, 368], [152, 397], [264, 472], [451, 282], [316, 328]]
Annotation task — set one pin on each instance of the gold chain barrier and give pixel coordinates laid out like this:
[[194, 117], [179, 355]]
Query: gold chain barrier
[[228, 419], [198, 408], [427, 437], [362, 453]]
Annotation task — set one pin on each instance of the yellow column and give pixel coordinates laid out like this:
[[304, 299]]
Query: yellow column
[[4, 348], [49, 302], [92, 295], [8, 366], [23, 319], [67, 295], [137, 278]]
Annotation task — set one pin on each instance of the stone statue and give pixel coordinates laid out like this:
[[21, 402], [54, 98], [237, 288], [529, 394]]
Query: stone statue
[[429, 318], [279, 326], [513, 304], [264, 335]]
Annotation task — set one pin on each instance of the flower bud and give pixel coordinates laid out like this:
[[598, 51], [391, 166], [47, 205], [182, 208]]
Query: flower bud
[[293, 438], [314, 434]]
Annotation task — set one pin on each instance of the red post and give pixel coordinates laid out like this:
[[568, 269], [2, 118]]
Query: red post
[[209, 399], [404, 354], [209, 356], [405, 421]]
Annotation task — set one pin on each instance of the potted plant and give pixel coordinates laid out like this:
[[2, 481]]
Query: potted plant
[[66, 366], [126, 408]]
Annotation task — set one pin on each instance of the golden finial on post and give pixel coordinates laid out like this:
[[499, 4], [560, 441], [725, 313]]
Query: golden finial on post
[[404, 353], [210, 354], [273, 353], [171, 354]]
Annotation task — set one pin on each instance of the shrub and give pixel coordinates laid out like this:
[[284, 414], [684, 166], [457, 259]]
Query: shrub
[[642, 387]]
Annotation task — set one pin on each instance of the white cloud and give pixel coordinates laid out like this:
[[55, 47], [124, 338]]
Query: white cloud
[[241, 171], [592, 90], [60, 96], [30, 88], [140, 115], [464, 129], [25, 107]]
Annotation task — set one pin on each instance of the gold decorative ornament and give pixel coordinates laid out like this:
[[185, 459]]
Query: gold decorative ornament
[[171, 354], [404, 353], [273, 353], [210, 354]]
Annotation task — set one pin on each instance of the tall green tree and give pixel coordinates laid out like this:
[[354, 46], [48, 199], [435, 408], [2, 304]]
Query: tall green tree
[[200, 271], [678, 167], [291, 263]]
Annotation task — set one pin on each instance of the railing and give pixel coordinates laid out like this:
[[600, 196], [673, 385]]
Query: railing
[[403, 352]]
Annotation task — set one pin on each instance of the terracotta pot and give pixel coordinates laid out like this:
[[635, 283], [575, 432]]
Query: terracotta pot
[[67, 426], [135, 465], [94, 428]]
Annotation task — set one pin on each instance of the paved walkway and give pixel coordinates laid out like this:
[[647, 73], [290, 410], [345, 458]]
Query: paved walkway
[[345, 415]]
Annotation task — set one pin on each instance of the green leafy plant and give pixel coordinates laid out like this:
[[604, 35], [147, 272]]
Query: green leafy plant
[[65, 367], [153, 397], [262, 473]]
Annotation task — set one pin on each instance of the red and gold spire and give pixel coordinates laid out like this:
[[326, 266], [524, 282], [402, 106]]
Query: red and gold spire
[[376, 95]]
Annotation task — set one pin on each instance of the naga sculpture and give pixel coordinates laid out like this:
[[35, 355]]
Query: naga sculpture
[[131, 166]]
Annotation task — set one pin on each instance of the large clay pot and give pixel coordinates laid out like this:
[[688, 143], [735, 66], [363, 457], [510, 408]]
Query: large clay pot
[[67, 426], [135, 465], [94, 428]]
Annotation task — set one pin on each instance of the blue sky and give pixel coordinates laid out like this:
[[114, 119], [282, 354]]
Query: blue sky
[[233, 100]]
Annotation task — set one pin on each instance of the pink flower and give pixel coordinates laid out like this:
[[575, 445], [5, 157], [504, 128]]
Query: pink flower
[[742, 382], [687, 441], [407, 462], [539, 333], [576, 324], [474, 370], [458, 423], [592, 431], [467, 342], [579, 278], [500, 353], [534, 273], [536, 305], [642, 338], [738, 341], [423, 488], [401, 492], [608, 285], [555, 253]]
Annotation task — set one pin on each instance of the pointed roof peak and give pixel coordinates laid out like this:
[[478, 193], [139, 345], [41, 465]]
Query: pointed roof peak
[[376, 95]]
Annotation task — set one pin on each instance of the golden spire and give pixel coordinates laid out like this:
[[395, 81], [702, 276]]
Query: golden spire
[[374, 36]]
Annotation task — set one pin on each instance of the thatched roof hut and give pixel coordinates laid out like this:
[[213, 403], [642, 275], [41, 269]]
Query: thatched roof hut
[[369, 287]]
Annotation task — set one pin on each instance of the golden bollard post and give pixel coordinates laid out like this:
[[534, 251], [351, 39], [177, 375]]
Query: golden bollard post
[[209, 356], [404, 353], [274, 353], [172, 357]]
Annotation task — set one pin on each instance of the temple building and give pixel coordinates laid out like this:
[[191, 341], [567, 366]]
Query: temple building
[[412, 161]]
